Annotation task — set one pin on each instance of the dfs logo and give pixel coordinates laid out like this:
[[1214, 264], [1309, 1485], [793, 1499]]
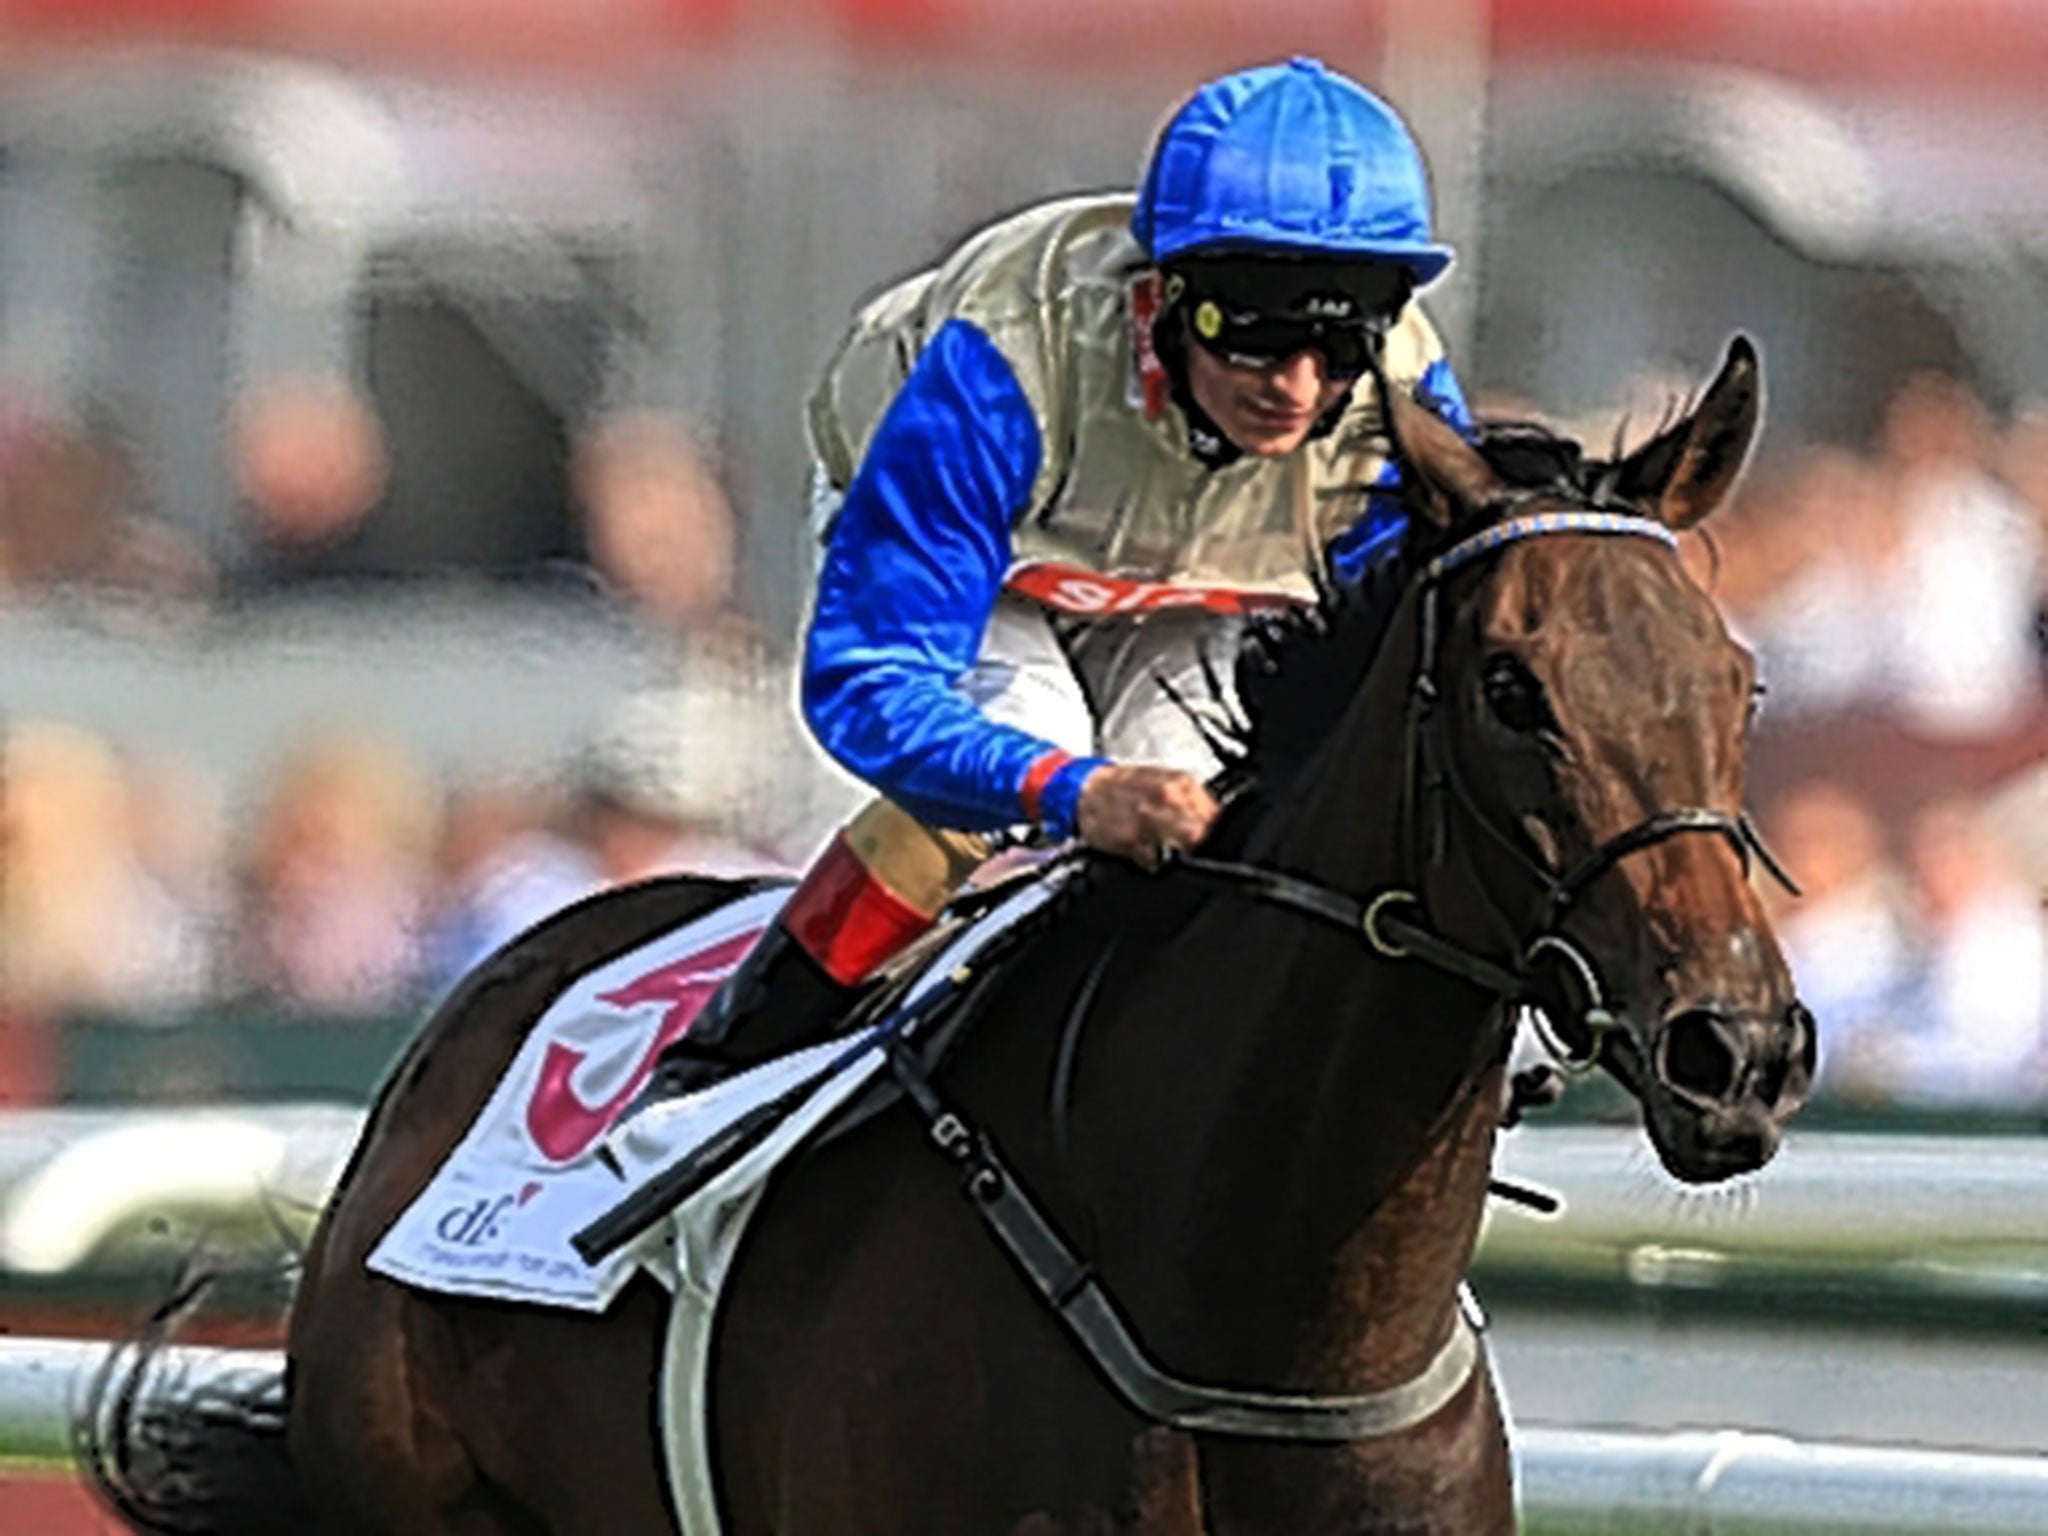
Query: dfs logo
[[480, 1222]]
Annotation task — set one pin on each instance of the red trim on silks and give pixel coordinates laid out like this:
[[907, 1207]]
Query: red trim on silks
[[1074, 589], [1037, 776], [846, 919], [1154, 386]]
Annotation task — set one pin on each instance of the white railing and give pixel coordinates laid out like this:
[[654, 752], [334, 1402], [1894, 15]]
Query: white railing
[[1573, 1483], [69, 1179], [1828, 1194], [44, 1383], [1728, 1483]]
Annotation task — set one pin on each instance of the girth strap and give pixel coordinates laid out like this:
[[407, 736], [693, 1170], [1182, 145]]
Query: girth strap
[[1070, 1287]]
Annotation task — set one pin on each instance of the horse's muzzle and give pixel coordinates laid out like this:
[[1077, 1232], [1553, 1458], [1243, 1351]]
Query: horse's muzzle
[[1729, 1081]]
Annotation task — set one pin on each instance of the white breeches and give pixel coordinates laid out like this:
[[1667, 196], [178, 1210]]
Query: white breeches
[[1107, 686]]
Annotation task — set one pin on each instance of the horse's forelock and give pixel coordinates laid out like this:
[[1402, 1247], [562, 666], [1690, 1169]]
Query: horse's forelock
[[1528, 455]]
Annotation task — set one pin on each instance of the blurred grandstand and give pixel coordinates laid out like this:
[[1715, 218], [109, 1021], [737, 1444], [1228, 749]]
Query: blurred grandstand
[[402, 534], [398, 413]]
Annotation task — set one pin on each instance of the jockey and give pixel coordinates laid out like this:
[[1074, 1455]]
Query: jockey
[[1056, 471]]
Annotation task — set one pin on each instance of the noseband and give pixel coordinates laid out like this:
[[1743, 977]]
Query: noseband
[[1434, 786]]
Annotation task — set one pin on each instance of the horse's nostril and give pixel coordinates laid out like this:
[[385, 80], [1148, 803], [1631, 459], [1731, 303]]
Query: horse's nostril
[[1696, 1056], [1805, 1040], [1793, 1069]]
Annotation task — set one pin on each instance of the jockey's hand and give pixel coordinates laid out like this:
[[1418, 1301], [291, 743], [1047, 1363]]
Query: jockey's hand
[[1139, 812]]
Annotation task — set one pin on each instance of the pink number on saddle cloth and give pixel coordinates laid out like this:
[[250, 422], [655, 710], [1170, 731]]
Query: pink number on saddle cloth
[[562, 1124]]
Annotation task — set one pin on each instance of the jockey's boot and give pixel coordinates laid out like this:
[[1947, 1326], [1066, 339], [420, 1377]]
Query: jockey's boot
[[778, 997], [881, 882]]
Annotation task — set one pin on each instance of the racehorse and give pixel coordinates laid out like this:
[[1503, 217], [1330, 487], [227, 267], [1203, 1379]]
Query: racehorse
[[1267, 1135]]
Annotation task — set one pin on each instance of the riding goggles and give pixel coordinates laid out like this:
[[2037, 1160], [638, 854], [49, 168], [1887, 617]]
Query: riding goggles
[[1255, 311], [1247, 339]]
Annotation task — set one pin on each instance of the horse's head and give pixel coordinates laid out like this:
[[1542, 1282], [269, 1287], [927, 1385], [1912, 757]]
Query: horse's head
[[1593, 721]]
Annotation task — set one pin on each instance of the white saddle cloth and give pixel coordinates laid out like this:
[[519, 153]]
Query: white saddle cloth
[[497, 1217]]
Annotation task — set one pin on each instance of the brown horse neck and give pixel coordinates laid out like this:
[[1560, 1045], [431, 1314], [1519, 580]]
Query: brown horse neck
[[1330, 1208], [1316, 1184], [1344, 823]]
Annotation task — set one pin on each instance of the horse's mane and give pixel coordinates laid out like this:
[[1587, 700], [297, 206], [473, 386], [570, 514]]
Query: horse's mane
[[1292, 668]]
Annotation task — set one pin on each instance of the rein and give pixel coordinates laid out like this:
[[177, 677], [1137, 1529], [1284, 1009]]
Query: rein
[[1069, 1286]]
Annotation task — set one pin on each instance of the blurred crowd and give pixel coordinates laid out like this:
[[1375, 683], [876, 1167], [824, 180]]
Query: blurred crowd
[[644, 518], [74, 529], [1896, 602], [351, 881], [355, 884], [1895, 596]]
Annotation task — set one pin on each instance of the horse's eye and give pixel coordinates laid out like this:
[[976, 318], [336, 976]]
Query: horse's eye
[[1515, 697]]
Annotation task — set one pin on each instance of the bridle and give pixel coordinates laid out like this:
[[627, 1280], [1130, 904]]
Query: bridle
[[1434, 787]]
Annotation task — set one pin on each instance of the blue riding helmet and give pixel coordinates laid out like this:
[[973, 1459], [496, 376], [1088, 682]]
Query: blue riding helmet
[[1291, 158]]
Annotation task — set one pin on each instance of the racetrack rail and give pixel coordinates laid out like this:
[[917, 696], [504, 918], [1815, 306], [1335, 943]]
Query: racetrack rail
[[1572, 1482]]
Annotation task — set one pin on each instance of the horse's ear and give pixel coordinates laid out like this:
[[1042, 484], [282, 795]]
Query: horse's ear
[[1455, 481], [1689, 468]]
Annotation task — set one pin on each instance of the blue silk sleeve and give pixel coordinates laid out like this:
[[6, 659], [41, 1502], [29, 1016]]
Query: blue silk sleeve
[[913, 565]]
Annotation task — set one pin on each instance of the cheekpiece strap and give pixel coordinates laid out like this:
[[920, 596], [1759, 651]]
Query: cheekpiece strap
[[1517, 528]]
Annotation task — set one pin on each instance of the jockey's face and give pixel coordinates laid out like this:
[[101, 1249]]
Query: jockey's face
[[1267, 409]]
